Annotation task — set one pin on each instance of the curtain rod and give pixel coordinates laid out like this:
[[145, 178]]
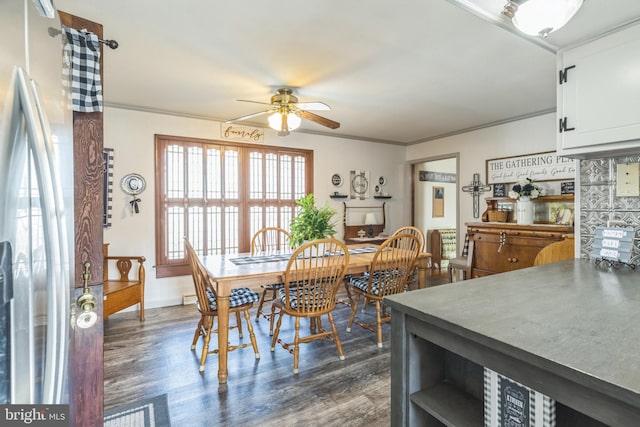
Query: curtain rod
[[111, 43]]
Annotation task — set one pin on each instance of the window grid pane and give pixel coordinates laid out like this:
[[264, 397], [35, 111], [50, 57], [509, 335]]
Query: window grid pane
[[231, 175], [285, 177], [174, 232], [271, 217], [194, 173], [285, 217], [195, 225], [255, 175], [214, 227], [271, 176], [231, 216], [174, 183], [299, 173], [255, 219], [214, 168]]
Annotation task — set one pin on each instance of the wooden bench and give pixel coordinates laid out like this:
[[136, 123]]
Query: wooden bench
[[122, 292]]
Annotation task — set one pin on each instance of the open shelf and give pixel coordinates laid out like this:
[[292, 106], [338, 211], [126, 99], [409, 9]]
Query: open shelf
[[381, 197], [541, 199], [450, 405], [339, 196]]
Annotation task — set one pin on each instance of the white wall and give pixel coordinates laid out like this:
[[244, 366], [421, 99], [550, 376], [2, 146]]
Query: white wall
[[534, 135], [131, 135]]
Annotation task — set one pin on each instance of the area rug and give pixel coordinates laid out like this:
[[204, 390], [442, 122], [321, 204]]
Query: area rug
[[152, 412]]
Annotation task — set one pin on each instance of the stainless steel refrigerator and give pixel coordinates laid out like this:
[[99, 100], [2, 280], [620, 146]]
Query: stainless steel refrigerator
[[36, 202]]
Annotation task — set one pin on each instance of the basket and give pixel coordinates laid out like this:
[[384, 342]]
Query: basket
[[498, 216]]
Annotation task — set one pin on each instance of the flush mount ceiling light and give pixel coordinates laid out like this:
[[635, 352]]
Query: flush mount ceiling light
[[540, 17]]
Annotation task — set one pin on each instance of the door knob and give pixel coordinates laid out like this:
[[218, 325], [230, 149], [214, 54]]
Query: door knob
[[86, 302]]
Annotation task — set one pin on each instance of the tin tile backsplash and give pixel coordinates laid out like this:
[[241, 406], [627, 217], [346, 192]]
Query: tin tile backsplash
[[599, 203]]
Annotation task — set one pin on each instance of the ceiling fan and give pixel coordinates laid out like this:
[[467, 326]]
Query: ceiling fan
[[287, 113]]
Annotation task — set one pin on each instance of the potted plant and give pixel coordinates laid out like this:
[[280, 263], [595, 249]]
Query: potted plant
[[311, 222]]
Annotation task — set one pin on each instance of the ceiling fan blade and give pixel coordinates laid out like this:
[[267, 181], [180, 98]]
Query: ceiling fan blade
[[254, 102], [316, 106], [319, 119], [248, 116]]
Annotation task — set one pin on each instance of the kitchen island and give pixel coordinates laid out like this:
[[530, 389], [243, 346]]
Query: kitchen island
[[570, 330]]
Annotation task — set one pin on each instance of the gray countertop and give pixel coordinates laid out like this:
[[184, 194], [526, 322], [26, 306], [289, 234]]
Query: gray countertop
[[576, 319]]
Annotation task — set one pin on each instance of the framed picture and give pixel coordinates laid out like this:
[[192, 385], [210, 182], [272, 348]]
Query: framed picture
[[438, 202], [499, 190]]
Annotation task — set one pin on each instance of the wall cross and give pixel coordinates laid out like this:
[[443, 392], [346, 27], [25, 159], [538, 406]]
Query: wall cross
[[475, 189]]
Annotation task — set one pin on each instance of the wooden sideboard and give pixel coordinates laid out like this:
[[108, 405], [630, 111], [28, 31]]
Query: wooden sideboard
[[498, 247]]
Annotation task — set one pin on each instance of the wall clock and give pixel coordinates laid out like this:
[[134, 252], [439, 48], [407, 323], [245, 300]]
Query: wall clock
[[360, 184]]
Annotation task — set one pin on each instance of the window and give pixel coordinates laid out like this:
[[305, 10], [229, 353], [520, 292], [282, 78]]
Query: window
[[219, 194]]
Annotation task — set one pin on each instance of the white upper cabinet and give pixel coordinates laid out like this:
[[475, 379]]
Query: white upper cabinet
[[599, 96]]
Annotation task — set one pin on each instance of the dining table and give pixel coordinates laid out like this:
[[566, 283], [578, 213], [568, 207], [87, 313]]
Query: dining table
[[245, 270]]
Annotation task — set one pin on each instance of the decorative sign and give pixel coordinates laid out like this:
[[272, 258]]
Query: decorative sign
[[614, 244], [514, 403], [511, 404], [107, 186], [336, 179], [539, 167], [241, 133], [568, 187], [436, 176], [499, 190]]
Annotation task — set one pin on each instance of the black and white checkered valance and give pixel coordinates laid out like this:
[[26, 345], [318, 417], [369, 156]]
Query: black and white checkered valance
[[82, 70]]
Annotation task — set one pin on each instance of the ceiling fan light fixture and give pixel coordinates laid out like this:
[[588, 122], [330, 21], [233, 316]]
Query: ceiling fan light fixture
[[541, 17], [284, 123]]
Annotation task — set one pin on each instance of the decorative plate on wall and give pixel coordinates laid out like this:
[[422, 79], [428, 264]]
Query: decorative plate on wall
[[133, 184]]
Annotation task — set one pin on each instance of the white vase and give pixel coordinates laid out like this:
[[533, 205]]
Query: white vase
[[313, 251], [524, 211]]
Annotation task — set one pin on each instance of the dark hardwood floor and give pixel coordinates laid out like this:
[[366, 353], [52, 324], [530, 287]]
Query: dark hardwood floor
[[145, 359]]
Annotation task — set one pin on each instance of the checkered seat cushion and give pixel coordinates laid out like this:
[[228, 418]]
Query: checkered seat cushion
[[274, 286], [238, 297], [362, 282], [293, 298]]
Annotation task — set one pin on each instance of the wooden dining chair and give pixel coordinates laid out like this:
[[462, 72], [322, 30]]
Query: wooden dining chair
[[240, 301], [412, 282], [558, 251], [310, 285], [459, 263], [269, 240], [390, 268]]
